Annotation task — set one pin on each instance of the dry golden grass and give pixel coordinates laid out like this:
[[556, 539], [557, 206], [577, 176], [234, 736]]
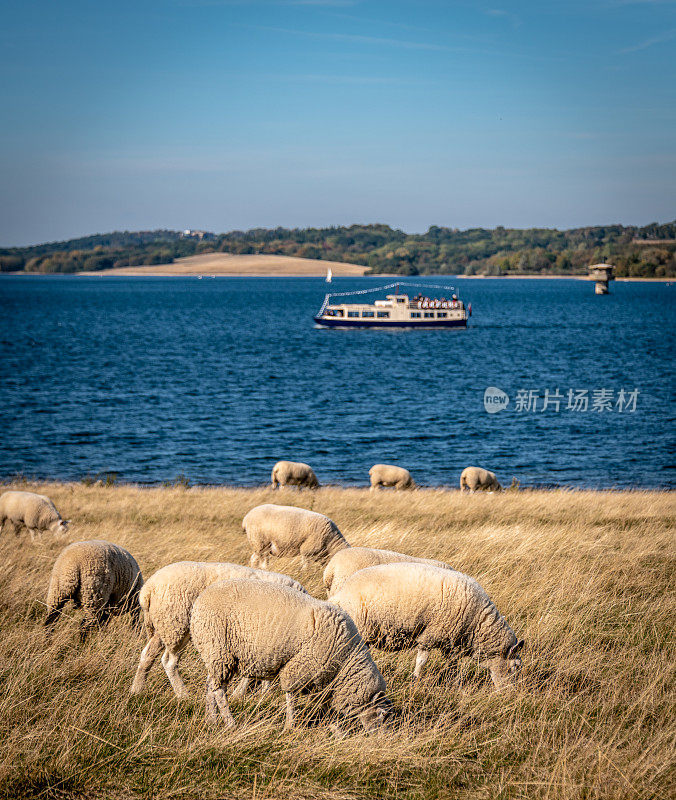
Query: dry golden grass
[[586, 578], [247, 265]]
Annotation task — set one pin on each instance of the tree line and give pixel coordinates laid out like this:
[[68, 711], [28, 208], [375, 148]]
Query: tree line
[[648, 251]]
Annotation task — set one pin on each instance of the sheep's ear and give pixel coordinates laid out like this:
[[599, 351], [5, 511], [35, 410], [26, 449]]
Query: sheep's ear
[[515, 649]]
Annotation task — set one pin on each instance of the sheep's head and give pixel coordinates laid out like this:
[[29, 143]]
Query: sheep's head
[[505, 668], [376, 713], [59, 527]]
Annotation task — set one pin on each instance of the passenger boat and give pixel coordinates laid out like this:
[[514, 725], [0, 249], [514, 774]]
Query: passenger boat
[[396, 310]]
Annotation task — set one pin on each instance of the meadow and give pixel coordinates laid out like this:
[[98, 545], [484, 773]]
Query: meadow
[[586, 578]]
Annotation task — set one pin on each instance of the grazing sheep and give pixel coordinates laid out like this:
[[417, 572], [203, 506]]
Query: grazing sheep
[[167, 599], [290, 531], [98, 577], [35, 511], [474, 478], [264, 630], [352, 559], [293, 473], [388, 475], [400, 606]]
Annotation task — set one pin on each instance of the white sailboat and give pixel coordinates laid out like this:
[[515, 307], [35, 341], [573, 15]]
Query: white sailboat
[[329, 275]]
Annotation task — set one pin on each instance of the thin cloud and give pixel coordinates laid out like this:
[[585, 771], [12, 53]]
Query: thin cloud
[[366, 80], [404, 43], [667, 36], [640, 2], [322, 3], [500, 13], [357, 38]]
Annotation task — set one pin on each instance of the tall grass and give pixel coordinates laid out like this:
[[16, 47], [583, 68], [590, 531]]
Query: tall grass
[[586, 578]]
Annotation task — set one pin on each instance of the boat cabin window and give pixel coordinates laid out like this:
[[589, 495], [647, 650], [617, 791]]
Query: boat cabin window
[[352, 313], [416, 314], [401, 299], [429, 314], [441, 314], [383, 314], [367, 314]]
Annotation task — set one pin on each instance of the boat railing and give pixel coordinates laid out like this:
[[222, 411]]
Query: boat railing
[[457, 305]]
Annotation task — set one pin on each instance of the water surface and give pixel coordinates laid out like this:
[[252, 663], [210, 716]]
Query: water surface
[[217, 379]]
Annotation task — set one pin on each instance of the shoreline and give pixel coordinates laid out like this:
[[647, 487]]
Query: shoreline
[[98, 481], [402, 278], [118, 273]]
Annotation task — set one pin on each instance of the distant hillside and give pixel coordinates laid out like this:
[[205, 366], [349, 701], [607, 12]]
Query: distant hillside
[[209, 264], [648, 251]]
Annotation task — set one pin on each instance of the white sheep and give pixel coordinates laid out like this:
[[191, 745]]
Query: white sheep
[[400, 606], [475, 478], [167, 598], [290, 531], [99, 577], [265, 630], [389, 475], [35, 511], [294, 473], [350, 560]]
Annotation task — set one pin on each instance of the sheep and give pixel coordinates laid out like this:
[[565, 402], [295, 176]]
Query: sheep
[[99, 577], [294, 473], [266, 630], [400, 606], [167, 599], [352, 559], [389, 475], [290, 531], [474, 478], [35, 511]]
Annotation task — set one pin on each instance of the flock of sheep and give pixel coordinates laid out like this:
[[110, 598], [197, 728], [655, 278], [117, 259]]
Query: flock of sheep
[[263, 625], [296, 473]]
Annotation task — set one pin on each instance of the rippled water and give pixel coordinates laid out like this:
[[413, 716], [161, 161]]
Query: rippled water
[[219, 378]]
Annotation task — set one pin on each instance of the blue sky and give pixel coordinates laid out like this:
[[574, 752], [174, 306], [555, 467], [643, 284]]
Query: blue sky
[[222, 114]]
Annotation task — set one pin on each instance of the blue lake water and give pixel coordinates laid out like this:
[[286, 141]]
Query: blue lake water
[[219, 378]]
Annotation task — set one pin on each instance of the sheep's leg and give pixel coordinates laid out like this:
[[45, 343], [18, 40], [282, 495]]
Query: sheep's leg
[[289, 712], [211, 706], [96, 618], [170, 659], [336, 730], [134, 610], [259, 559], [304, 563], [53, 614], [240, 692], [86, 627], [34, 532], [148, 657], [420, 661], [222, 702], [265, 688]]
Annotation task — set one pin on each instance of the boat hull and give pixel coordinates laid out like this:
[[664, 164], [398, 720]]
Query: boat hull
[[339, 322]]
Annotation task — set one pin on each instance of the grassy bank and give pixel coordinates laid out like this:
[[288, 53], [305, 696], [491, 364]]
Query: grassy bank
[[586, 578]]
